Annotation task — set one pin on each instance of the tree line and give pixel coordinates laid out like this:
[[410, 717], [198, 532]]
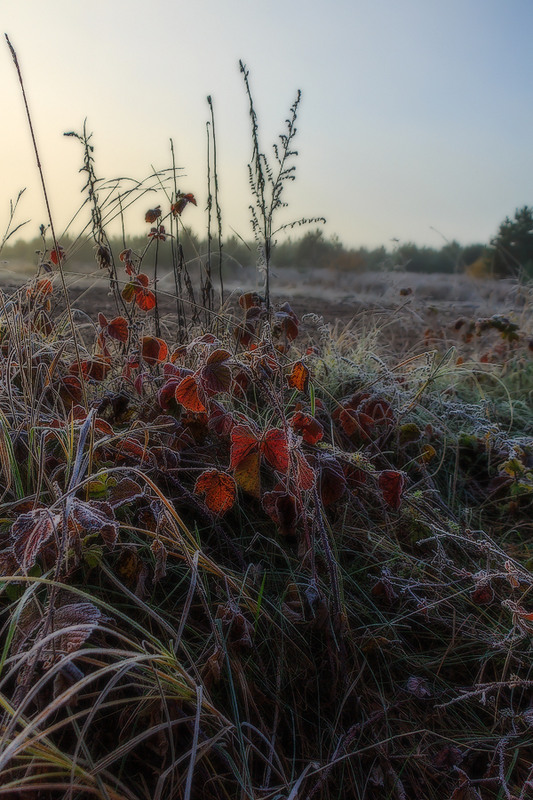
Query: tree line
[[509, 253]]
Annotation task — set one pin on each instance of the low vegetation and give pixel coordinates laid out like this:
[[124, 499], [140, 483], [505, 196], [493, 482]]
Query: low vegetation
[[247, 555]]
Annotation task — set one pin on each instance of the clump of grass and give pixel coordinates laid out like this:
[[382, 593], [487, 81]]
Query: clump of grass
[[239, 558]]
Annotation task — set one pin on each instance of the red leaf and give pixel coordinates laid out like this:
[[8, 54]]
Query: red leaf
[[118, 329], [309, 427], [188, 395], [483, 594], [167, 393], [40, 289], [141, 280], [391, 484], [299, 377], [219, 489], [287, 324], [70, 389], [275, 449], [356, 422], [244, 442], [126, 491], [56, 256], [154, 350]]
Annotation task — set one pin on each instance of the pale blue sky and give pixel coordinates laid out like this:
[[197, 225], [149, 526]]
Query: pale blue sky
[[416, 114]]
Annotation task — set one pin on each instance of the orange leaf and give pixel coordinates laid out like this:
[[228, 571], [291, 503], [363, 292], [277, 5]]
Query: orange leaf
[[145, 299], [154, 350], [219, 489], [299, 377], [188, 395]]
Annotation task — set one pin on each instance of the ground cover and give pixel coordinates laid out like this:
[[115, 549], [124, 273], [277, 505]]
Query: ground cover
[[249, 549], [264, 555]]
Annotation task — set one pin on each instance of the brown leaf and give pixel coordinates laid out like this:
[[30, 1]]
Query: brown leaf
[[30, 532], [96, 517], [82, 619]]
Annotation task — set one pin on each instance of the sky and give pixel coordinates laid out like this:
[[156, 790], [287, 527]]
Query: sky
[[416, 119]]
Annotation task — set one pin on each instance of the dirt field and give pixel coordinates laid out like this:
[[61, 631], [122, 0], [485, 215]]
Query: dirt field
[[405, 306]]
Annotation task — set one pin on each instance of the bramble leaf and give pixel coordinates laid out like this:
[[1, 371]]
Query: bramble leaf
[[219, 489]]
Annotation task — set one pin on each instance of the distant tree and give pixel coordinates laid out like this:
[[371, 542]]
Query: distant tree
[[513, 244], [314, 250], [472, 253]]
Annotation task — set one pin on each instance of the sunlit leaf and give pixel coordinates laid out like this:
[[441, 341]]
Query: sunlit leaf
[[145, 299]]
